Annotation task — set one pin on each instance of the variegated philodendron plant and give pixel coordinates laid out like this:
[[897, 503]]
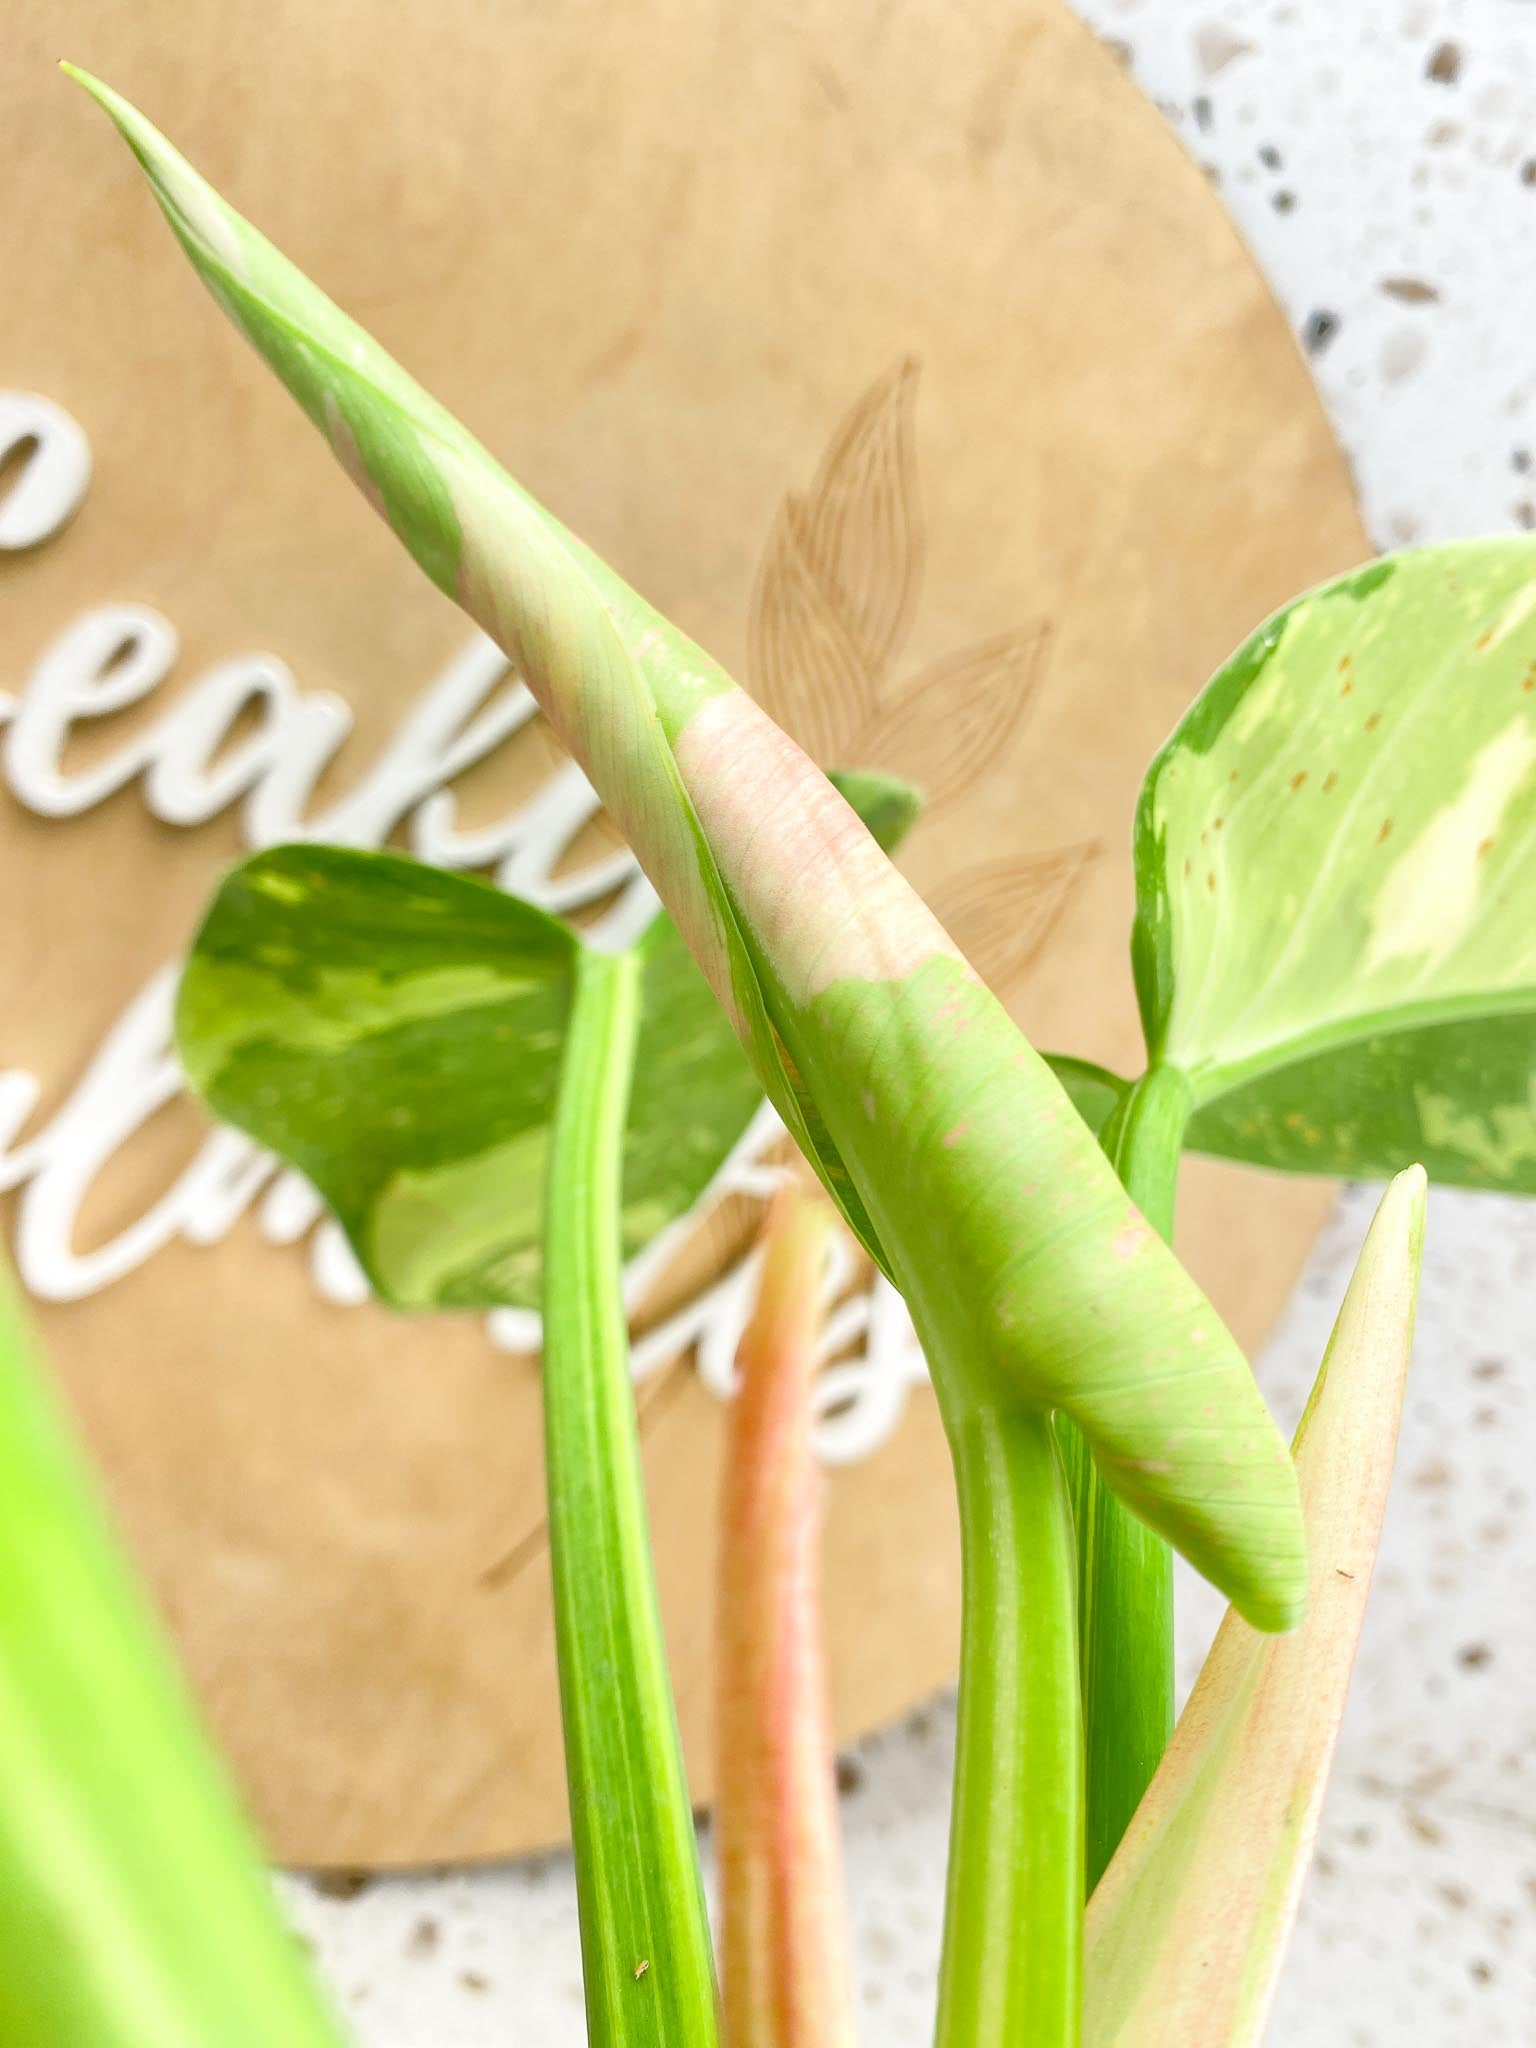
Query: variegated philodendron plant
[[1334, 956]]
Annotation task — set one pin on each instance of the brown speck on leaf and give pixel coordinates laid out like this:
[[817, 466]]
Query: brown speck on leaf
[[1210, 881], [1298, 779], [1385, 832], [1330, 781], [1484, 641], [1373, 721], [1188, 870], [1444, 66], [1484, 848], [1217, 823], [1346, 688], [641, 1967], [1528, 682]]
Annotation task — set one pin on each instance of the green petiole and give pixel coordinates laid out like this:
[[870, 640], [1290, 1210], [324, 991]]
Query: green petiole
[[1125, 1570], [645, 1944], [1011, 1975]]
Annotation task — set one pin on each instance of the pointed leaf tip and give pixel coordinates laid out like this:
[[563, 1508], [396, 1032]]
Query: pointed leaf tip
[[900, 1075], [1186, 1931]]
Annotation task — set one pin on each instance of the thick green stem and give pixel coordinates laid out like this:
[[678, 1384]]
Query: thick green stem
[[1125, 1573], [644, 1931], [1012, 1970]]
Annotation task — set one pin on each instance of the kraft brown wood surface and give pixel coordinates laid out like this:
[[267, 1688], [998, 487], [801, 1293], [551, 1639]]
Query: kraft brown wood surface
[[659, 255]]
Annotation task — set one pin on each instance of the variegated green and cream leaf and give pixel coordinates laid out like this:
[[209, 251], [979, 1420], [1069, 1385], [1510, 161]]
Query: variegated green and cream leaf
[[1336, 928], [395, 1032], [1032, 1279], [1187, 1928]]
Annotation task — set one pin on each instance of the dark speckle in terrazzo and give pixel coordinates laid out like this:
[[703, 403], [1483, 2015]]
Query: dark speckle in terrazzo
[[426, 1937], [1318, 330]]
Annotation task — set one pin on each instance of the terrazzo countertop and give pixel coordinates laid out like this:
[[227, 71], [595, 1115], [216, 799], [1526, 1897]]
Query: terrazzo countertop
[[1380, 158]]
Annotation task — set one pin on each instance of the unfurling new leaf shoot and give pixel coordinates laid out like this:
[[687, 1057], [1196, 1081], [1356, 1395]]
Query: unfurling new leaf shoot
[[954, 1154]]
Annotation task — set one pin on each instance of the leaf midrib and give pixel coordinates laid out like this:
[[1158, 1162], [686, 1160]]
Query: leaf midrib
[[1211, 1080]]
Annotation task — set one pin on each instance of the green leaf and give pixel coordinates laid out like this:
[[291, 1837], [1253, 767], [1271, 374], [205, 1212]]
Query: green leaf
[[1032, 1280], [1094, 1092], [888, 806], [645, 1948], [1335, 930], [1459, 1096], [394, 1032], [134, 1907], [1187, 1929]]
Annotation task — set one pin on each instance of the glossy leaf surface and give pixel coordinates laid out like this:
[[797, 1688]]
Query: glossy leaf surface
[[1336, 924], [1187, 1929], [395, 1033], [1032, 1279]]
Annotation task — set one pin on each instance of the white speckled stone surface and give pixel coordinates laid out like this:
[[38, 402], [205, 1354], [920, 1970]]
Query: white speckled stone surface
[[1380, 157]]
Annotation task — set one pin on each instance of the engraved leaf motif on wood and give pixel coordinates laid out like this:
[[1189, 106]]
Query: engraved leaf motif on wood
[[1002, 913], [840, 577], [807, 666], [987, 690], [834, 600], [863, 518]]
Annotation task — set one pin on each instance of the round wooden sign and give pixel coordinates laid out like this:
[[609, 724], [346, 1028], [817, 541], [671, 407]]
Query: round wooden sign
[[899, 353]]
